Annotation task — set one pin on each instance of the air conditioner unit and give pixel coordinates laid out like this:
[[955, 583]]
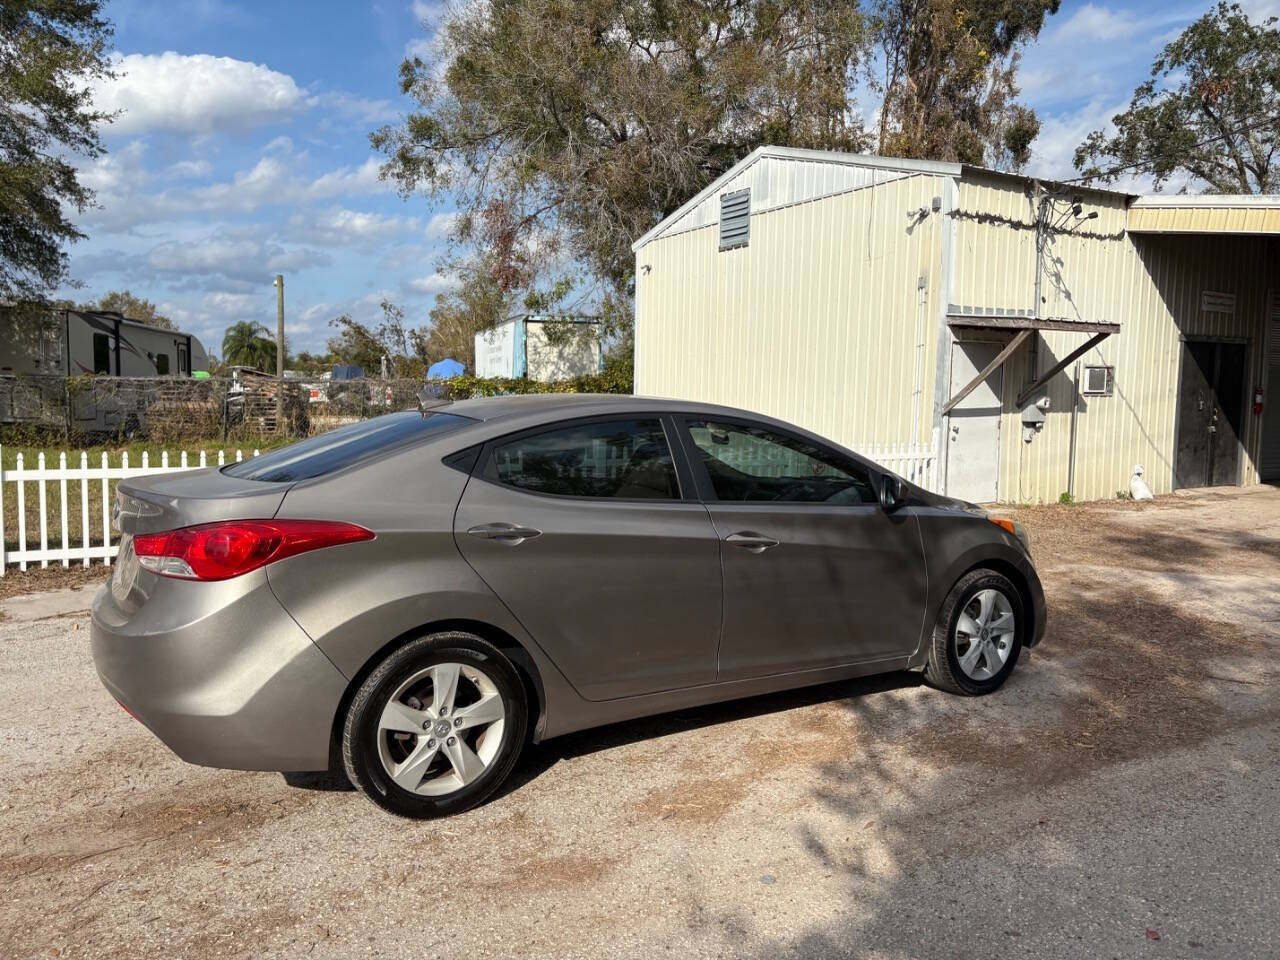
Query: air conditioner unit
[[1099, 381]]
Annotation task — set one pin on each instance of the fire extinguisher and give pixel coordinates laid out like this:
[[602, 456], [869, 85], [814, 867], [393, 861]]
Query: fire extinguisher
[[1257, 401]]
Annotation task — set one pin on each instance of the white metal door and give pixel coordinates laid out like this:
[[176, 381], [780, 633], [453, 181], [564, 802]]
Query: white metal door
[[1269, 460], [973, 427]]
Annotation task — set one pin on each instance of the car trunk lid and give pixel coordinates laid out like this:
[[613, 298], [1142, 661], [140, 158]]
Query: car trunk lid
[[166, 501]]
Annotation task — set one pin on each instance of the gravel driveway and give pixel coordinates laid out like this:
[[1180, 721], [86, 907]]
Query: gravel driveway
[[1119, 797]]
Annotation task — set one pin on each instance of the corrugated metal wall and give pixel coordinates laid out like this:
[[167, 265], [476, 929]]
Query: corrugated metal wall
[[821, 320], [1095, 271]]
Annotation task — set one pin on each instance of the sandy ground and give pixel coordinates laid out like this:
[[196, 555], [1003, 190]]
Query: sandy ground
[[1118, 798]]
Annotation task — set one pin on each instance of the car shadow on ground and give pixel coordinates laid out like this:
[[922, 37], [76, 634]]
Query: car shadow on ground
[[537, 759]]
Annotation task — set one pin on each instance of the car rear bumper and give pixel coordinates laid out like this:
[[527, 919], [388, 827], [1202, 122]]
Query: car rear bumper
[[224, 677]]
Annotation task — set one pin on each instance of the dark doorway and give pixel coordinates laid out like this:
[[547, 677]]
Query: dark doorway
[[1210, 414]]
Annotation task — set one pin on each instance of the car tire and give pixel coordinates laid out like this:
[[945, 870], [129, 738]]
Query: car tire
[[968, 654], [445, 767]]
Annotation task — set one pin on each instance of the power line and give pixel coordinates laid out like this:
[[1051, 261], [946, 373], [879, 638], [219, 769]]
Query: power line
[[1243, 128]]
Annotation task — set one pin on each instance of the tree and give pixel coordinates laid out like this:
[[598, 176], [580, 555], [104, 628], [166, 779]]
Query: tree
[[132, 307], [249, 344], [949, 79], [365, 346], [51, 53], [567, 128], [1210, 110]]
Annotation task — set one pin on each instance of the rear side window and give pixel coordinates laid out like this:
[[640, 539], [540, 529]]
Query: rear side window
[[345, 447], [619, 459], [749, 463]]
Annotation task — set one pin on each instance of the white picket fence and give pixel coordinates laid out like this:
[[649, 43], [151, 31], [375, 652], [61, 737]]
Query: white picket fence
[[915, 462], [16, 484]]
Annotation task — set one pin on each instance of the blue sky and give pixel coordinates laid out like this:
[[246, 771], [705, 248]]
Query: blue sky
[[243, 152]]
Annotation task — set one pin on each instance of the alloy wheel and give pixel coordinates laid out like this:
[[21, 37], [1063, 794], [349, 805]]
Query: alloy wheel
[[984, 634], [441, 729]]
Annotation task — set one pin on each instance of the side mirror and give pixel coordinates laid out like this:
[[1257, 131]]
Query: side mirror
[[893, 492]]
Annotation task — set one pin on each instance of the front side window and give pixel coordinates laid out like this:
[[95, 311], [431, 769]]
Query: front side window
[[751, 464], [619, 459], [162, 364]]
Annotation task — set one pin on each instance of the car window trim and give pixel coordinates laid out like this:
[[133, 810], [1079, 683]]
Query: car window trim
[[684, 482], [702, 479]]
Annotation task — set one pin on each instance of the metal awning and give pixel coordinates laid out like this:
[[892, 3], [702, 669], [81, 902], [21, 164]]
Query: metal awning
[[1004, 321], [1206, 214], [1024, 326]]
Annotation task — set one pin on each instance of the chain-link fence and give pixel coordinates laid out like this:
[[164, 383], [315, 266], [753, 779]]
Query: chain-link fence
[[83, 411], [71, 412]]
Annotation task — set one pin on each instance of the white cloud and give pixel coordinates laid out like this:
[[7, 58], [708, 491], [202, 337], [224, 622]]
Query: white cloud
[[196, 94], [346, 180], [440, 225], [125, 201], [427, 12], [121, 170], [1259, 10], [1092, 22], [435, 283], [1053, 151], [234, 257], [188, 170], [341, 227], [421, 47]]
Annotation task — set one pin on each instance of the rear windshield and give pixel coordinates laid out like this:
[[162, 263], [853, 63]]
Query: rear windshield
[[345, 447]]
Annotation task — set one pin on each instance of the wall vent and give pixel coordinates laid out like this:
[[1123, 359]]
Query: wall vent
[[735, 219], [1214, 301]]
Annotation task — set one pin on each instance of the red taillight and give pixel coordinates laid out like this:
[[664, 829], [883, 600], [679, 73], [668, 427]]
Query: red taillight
[[219, 551]]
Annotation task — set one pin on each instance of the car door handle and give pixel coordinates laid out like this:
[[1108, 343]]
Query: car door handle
[[750, 540], [508, 533]]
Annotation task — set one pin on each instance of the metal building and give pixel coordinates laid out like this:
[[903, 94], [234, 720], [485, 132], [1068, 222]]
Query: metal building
[[540, 348], [1044, 338]]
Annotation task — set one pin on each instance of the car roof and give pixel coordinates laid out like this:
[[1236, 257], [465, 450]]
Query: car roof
[[573, 404]]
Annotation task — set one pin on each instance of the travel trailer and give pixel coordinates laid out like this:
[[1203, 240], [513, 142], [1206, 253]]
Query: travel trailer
[[77, 342], [38, 351]]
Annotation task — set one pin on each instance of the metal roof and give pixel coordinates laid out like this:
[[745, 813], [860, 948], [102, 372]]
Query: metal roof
[[1206, 213]]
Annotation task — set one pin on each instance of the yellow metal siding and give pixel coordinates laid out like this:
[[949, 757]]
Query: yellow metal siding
[[817, 321], [1223, 219]]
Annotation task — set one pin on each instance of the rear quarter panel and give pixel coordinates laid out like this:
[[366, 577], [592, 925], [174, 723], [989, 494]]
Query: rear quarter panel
[[355, 599]]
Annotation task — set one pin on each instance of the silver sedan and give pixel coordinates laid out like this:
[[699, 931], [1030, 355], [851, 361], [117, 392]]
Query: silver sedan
[[415, 597]]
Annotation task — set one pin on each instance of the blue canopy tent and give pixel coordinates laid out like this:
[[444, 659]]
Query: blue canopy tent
[[446, 369]]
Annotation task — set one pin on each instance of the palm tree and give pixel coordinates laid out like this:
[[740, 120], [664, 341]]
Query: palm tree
[[249, 344]]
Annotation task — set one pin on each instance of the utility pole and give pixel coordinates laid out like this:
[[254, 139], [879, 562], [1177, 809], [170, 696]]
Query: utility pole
[[279, 353]]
